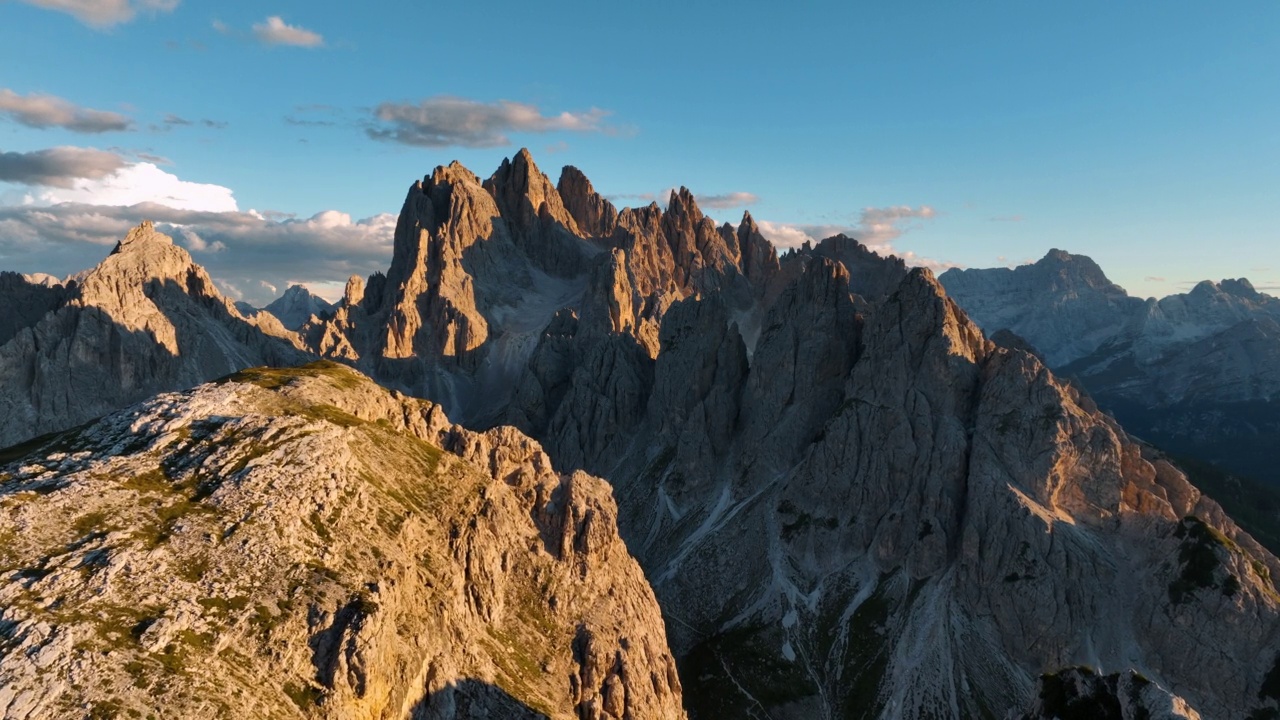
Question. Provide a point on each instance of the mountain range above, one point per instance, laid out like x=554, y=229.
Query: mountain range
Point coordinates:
x=1197, y=373
x=845, y=500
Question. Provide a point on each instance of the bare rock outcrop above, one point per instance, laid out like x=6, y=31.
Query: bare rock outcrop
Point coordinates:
x=960, y=523
x=25, y=302
x=292, y=543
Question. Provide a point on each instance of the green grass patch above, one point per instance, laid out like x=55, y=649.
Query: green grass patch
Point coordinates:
x=89, y=523
x=340, y=376
x=305, y=695
x=1199, y=561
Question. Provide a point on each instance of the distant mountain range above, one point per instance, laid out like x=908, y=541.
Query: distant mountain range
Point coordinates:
x=847, y=500
x=1197, y=373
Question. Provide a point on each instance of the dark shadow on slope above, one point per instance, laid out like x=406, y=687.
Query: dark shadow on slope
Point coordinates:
x=1254, y=505
x=78, y=363
x=472, y=699
x=25, y=303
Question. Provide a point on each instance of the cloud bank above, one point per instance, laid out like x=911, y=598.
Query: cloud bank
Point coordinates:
x=59, y=167
x=247, y=252
x=48, y=111
x=84, y=201
x=447, y=121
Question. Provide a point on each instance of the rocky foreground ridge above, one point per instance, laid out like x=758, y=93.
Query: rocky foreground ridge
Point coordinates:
x=294, y=543
x=849, y=502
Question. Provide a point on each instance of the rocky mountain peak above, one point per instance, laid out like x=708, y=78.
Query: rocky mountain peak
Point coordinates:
x=682, y=204
x=144, y=256
x=760, y=264
x=1073, y=269
x=145, y=320
x=871, y=275
x=297, y=306
x=522, y=191
x=141, y=236
x=1240, y=287
x=595, y=216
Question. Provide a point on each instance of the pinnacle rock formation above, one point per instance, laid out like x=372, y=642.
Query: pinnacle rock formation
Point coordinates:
x=480, y=270
x=147, y=319
x=595, y=216
x=294, y=543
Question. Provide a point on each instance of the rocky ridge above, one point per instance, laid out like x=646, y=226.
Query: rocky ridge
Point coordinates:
x=292, y=543
x=146, y=320
x=836, y=485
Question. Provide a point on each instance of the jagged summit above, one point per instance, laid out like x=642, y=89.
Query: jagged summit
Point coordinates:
x=144, y=234
x=595, y=215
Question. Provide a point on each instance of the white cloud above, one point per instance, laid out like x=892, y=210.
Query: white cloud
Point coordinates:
x=104, y=13
x=783, y=235
x=143, y=183
x=877, y=228
x=275, y=31
x=193, y=242
x=446, y=121
x=881, y=226
x=46, y=111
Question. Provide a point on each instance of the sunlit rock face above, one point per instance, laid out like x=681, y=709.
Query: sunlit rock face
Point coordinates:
x=147, y=319
x=848, y=501
x=303, y=543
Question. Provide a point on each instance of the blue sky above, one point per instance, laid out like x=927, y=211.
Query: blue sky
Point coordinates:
x=1146, y=135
